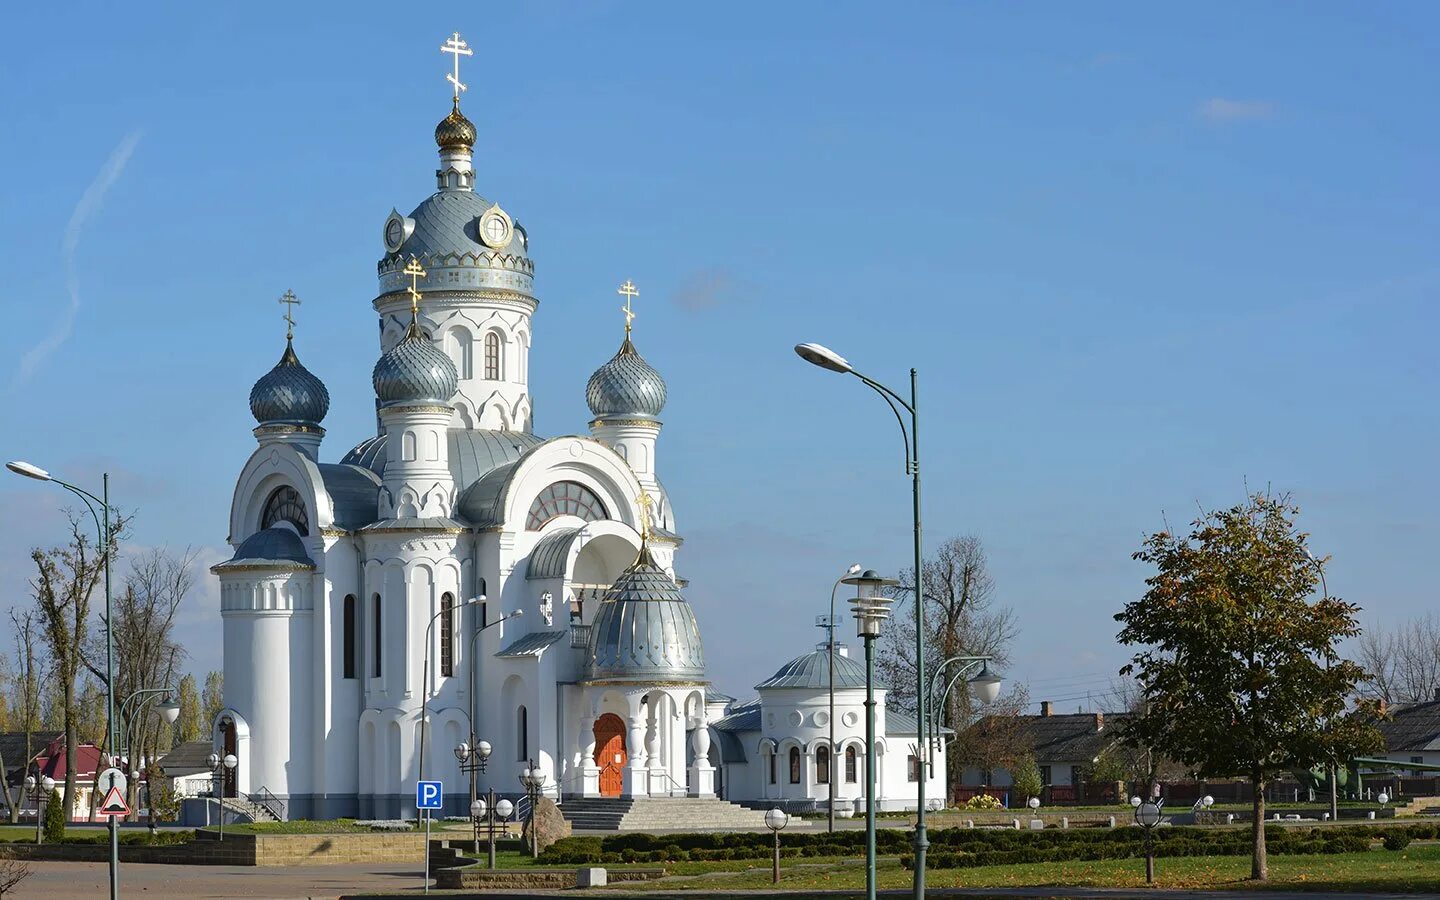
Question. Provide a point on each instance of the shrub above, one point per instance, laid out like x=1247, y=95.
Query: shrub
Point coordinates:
x=1026, y=780
x=54, y=818
x=983, y=801
x=1396, y=840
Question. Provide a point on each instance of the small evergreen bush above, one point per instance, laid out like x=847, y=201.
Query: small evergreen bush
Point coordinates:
x=54, y=818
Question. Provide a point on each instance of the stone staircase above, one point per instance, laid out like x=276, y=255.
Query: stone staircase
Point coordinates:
x=658, y=814
x=240, y=807
x=1419, y=806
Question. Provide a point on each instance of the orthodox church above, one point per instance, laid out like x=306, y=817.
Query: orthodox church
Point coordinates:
x=455, y=567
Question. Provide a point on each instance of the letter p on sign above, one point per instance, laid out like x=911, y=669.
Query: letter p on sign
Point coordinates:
x=428, y=794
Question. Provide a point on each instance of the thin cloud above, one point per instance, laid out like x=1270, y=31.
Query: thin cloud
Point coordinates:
x=90, y=204
x=705, y=289
x=1220, y=109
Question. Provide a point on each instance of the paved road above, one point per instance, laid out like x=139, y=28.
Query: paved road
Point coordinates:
x=91, y=880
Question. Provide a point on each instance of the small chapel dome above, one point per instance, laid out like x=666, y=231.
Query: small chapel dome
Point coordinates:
x=289, y=394
x=413, y=371
x=626, y=386
x=644, y=630
x=455, y=130
x=812, y=670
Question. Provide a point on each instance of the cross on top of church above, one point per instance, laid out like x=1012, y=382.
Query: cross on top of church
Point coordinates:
x=645, y=501
x=458, y=48
x=291, y=301
x=628, y=291
x=412, y=268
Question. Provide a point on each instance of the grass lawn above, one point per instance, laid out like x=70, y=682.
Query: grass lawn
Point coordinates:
x=1416, y=869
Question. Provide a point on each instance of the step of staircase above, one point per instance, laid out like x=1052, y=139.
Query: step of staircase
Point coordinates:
x=658, y=813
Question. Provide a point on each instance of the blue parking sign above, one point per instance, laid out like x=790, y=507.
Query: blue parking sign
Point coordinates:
x=428, y=794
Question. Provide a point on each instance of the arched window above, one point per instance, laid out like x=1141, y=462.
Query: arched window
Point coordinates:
x=822, y=765
x=522, y=734
x=464, y=350
x=770, y=755
x=794, y=765
x=350, y=627
x=850, y=763
x=376, y=637
x=447, y=635
x=285, y=505
x=564, y=498
x=492, y=356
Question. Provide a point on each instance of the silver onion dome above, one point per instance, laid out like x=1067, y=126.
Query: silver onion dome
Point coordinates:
x=289, y=394
x=414, y=371
x=644, y=630
x=626, y=386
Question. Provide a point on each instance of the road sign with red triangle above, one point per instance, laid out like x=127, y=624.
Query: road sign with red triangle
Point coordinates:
x=114, y=804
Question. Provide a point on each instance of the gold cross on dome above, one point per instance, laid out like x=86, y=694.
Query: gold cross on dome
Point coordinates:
x=412, y=268
x=646, y=501
x=628, y=291
x=458, y=48
x=291, y=301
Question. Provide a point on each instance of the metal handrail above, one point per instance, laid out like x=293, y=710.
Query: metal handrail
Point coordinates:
x=269, y=802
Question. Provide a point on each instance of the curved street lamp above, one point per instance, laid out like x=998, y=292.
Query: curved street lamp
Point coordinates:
x=20, y=467
x=825, y=358
x=829, y=625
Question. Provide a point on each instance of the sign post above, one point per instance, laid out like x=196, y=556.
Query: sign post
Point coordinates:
x=428, y=795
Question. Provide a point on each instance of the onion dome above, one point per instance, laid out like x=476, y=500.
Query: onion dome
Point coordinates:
x=289, y=394
x=644, y=630
x=455, y=130
x=415, y=371
x=626, y=386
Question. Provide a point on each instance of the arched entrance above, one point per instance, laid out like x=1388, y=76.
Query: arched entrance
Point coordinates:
x=229, y=782
x=610, y=754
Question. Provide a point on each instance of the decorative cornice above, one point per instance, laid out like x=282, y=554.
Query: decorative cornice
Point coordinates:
x=634, y=423
x=405, y=406
x=639, y=682
x=287, y=428
x=279, y=568
x=490, y=259
x=456, y=299
x=381, y=529
x=335, y=532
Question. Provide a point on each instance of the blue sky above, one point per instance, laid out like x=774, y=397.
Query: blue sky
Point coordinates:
x=1142, y=256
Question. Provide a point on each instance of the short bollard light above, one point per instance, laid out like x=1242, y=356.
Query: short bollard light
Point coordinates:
x=1033, y=803
x=775, y=820
x=1148, y=815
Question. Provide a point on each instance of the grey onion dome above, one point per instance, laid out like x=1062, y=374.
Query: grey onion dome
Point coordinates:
x=626, y=386
x=644, y=630
x=414, y=370
x=289, y=394
x=455, y=130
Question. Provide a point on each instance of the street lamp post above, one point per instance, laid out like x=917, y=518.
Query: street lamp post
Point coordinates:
x=829, y=626
x=532, y=779
x=475, y=744
x=775, y=820
x=985, y=686
x=169, y=710
x=218, y=768
x=826, y=358
x=1148, y=815
x=871, y=608
x=39, y=474
x=488, y=808
x=39, y=790
x=1334, y=772
x=473, y=758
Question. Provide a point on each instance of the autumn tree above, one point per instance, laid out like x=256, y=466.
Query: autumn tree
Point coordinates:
x=24, y=696
x=1238, y=665
x=996, y=739
x=961, y=619
x=187, y=726
x=212, y=699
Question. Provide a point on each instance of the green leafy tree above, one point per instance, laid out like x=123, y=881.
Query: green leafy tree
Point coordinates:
x=1025, y=778
x=213, y=698
x=1239, y=671
x=54, y=818
x=187, y=726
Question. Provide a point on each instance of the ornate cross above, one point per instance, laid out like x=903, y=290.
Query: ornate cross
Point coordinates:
x=458, y=48
x=628, y=291
x=645, y=501
x=291, y=301
x=412, y=268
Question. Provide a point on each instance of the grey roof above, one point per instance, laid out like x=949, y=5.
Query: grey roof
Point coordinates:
x=355, y=491
x=289, y=393
x=1413, y=727
x=644, y=630
x=410, y=523
x=279, y=547
x=532, y=644
x=548, y=558
x=473, y=452
x=481, y=502
x=732, y=750
x=744, y=719
x=714, y=696
x=812, y=670
x=188, y=758
x=445, y=228
x=1064, y=738
x=626, y=386
x=12, y=745
x=414, y=371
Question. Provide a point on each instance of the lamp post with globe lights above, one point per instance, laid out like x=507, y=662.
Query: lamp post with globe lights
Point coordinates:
x=825, y=358
x=776, y=819
x=871, y=608
x=1148, y=815
x=39, y=792
x=474, y=685
x=488, y=808
x=975, y=670
x=220, y=766
x=104, y=527
x=532, y=779
x=473, y=758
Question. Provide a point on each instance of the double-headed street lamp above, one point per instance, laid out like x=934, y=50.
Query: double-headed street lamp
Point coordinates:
x=532, y=779
x=871, y=607
x=104, y=530
x=488, y=808
x=220, y=767
x=39, y=789
x=473, y=759
x=826, y=358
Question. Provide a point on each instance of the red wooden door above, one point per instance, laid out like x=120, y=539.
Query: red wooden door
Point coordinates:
x=610, y=754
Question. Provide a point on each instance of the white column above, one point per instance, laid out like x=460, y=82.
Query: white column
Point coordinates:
x=637, y=780
x=702, y=773
x=589, y=772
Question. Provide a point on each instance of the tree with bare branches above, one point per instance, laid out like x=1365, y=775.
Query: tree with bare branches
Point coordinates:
x=25, y=696
x=1403, y=663
x=12, y=872
x=961, y=619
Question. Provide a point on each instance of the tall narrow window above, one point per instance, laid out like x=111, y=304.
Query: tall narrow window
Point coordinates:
x=447, y=635
x=794, y=765
x=522, y=734
x=822, y=765
x=850, y=764
x=492, y=356
x=348, y=632
x=376, y=637
x=771, y=757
